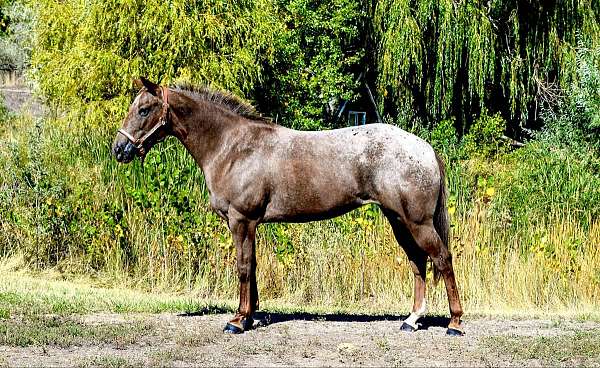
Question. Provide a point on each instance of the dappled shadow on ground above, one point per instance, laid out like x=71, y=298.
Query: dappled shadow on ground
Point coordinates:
x=268, y=318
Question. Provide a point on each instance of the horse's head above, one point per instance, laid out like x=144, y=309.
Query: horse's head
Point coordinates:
x=145, y=123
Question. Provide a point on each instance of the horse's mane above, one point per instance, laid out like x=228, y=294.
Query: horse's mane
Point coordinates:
x=225, y=99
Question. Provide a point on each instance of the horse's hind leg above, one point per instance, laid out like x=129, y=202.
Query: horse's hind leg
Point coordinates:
x=429, y=240
x=418, y=262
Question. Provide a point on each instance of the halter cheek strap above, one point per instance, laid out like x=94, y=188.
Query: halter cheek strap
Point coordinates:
x=162, y=121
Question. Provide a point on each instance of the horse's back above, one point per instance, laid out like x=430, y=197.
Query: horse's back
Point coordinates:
x=341, y=169
x=384, y=148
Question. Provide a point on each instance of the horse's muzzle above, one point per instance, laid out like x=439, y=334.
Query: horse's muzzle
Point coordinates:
x=124, y=151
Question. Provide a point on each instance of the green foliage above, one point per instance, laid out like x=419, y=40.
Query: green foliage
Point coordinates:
x=299, y=59
x=438, y=59
x=55, y=216
x=4, y=17
x=316, y=62
x=16, y=36
x=66, y=203
x=90, y=51
x=485, y=136
x=574, y=120
x=444, y=140
x=542, y=181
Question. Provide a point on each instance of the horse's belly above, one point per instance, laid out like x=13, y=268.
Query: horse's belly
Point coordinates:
x=276, y=213
x=316, y=197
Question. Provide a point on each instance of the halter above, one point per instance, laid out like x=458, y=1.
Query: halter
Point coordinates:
x=162, y=121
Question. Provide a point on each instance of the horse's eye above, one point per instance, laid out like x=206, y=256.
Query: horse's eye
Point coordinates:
x=144, y=112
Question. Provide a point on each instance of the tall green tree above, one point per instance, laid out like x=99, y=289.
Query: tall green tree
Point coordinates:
x=88, y=52
x=427, y=60
x=442, y=58
x=318, y=59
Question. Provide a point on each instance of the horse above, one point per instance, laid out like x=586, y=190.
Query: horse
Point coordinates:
x=259, y=172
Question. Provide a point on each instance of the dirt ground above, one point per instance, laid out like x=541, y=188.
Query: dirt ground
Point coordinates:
x=18, y=97
x=317, y=340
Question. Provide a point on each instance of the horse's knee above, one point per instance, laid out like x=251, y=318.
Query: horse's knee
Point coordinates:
x=244, y=272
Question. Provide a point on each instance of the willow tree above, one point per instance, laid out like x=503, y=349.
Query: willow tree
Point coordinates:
x=442, y=58
x=429, y=59
x=88, y=51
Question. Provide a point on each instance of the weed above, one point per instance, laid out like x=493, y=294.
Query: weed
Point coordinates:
x=63, y=332
x=108, y=362
x=555, y=350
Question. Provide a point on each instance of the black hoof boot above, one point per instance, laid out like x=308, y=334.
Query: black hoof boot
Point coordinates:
x=406, y=327
x=454, y=332
x=232, y=329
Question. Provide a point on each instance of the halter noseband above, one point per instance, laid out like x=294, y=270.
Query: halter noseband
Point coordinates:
x=162, y=121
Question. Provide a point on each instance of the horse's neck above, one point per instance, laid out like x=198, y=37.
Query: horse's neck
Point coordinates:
x=209, y=132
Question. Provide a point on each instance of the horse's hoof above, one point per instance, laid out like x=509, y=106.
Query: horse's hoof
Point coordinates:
x=248, y=324
x=454, y=332
x=232, y=329
x=406, y=327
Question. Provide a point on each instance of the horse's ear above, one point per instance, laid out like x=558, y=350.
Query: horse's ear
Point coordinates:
x=151, y=87
x=138, y=83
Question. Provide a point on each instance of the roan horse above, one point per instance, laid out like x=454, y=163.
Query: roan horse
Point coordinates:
x=258, y=172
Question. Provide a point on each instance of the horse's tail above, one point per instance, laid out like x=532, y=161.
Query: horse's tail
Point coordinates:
x=440, y=216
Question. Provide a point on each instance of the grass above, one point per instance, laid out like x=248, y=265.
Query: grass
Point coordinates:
x=108, y=362
x=48, y=311
x=580, y=348
x=41, y=294
x=48, y=330
x=68, y=207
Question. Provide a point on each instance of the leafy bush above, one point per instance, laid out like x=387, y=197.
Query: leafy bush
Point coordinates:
x=485, y=136
x=444, y=140
x=575, y=120
x=16, y=36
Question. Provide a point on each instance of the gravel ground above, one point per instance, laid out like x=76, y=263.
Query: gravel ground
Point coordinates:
x=305, y=340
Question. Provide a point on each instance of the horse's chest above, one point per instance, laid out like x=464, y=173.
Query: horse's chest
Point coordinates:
x=247, y=202
x=219, y=204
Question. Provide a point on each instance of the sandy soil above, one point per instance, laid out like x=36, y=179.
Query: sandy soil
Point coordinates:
x=18, y=98
x=304, y=340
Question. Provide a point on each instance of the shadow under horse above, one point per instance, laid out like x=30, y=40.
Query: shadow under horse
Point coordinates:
x=259, y=172
x=264, y=319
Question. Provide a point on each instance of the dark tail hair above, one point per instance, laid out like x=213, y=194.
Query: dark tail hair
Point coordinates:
x=440, y=216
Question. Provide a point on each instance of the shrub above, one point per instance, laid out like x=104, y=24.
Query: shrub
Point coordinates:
x=16, y=35
x=484, y=138
x=444, y=140
x=574, y=121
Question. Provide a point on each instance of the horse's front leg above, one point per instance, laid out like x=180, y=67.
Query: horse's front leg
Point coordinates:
x=243, y=231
